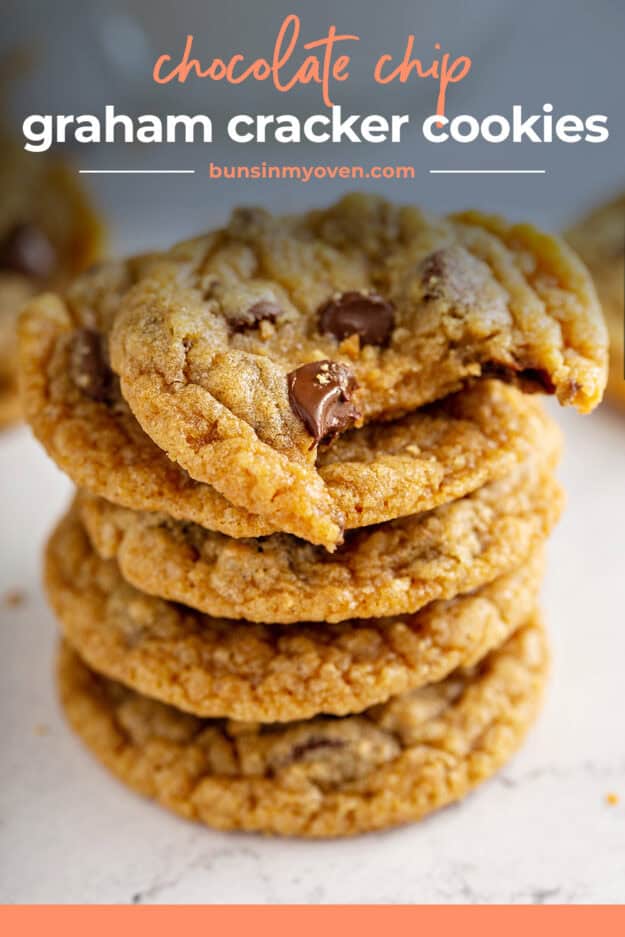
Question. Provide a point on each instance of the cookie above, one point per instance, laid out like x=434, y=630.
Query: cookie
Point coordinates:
x=48, y=233
x=269, y=673
x=382, y=471
x=243, y=350
x=392, y=569
x=393, y=764
x=600, y=240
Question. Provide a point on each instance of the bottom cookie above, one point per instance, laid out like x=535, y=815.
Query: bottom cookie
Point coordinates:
x=327, y=776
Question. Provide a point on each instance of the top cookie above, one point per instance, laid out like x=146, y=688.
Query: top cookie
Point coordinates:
x=243, y=350
x=383, y=471
x=600, y=239
x=48, y=233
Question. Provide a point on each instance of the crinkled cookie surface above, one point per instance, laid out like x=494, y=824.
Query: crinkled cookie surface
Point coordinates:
x=391, y=569
x=241, y=351
x=269, y=673
x=392, y=764
x=382, y=471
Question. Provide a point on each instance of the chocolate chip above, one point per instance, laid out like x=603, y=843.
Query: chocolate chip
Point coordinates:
x=89, y=369
x=313, y=745
x=365, y=314
x=528, y=379
x=537, y=378
x=321, y=393
x=27, y=250
x=434, y=271
x=449, y=274
x=501, y=372
x=263, y=311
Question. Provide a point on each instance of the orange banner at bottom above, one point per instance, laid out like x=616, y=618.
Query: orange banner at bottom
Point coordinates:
x=312, y=920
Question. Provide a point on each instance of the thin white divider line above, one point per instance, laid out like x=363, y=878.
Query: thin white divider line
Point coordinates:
x=146, y=172
x=487, y=171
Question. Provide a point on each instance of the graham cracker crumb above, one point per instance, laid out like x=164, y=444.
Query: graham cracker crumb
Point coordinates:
x=612, y=799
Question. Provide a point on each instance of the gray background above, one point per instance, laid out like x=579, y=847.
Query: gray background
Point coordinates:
x=567, y=52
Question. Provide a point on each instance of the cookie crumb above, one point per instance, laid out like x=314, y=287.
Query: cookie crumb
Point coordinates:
x=612, y=799
x=41, y=729
x=14, y=598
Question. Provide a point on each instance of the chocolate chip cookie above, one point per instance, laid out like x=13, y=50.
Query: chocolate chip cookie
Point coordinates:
x=600, y=240
x=392, y=764
x=48, y=232
x=242, y=351
x=391, y=569
x=382, y=471
x=269, y=673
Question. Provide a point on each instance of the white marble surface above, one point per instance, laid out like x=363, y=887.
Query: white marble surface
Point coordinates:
x=541, y=831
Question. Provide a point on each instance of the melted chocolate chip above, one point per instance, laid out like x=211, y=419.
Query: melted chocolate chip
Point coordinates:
x=320, y=393
x=27, y=250
x=365, y=314
x=89, y=369
x=263, y=311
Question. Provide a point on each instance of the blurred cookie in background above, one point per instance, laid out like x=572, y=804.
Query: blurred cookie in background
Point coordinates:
x=49, y=232
x=599, y=238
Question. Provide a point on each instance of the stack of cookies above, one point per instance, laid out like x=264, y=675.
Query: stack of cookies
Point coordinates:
x=298, y=584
